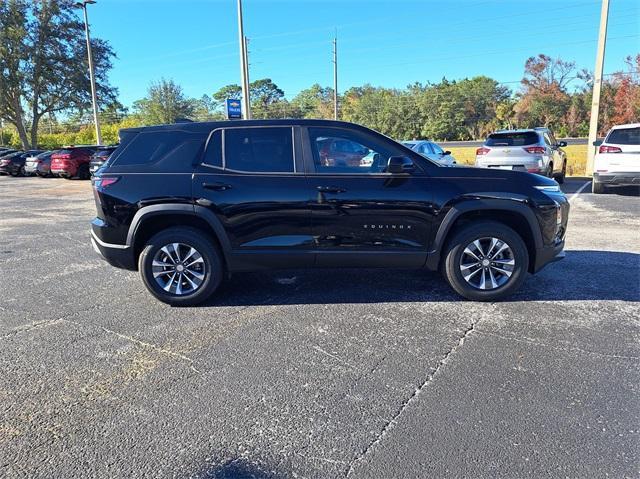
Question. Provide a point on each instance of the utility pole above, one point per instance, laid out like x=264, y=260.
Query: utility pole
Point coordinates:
x=246, y=66
x=597, y=86
x=335, y=76
x=94, y=98
x=246, y=107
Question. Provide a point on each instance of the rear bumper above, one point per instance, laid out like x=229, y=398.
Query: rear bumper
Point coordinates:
x=68, y=172
x=530, y=165
x=618, y=179
x=120, y=256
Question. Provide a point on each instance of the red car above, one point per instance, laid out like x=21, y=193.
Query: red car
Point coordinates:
x=72, y=161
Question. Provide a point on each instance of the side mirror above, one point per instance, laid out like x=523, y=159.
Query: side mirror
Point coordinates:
x=400, y=164
x=447, y=152
x=562, y=144
x=597, y=143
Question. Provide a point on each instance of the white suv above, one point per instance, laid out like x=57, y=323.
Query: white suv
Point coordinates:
x=534, y=150
x=617, y=162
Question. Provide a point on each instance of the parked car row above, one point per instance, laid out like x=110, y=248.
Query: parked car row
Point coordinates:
x=69, y=162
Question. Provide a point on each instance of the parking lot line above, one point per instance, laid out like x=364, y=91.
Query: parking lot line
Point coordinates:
x=573, y=196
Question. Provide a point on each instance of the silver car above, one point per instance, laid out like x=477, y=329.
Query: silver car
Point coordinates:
x=39, y=164
x=534, y=150
x=432, y=151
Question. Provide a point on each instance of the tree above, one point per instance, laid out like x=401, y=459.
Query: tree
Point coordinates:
x=165, y=103
x=544, y=99
x=314, y=102
x=267, y=100
x=43, y=64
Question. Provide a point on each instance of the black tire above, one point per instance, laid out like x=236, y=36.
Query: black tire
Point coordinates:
x=83, y=172
x=213, y=264
x=560, y=178
x=464, y=237
x=597, y=188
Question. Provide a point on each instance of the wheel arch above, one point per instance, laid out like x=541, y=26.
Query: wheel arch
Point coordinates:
x=515, y=214
x=152, y=219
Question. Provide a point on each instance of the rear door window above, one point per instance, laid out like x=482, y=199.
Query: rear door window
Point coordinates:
x=260, y=150
x=624, y=136
x=512, y=139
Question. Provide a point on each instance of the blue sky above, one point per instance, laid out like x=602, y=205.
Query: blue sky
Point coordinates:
x=385, y=43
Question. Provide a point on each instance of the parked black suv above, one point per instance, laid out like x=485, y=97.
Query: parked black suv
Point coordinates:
x=186, y=204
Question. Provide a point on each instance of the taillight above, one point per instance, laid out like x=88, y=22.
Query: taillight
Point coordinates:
x=104, y=182
x=535, y=150
x=609, y=149
x=482, y=151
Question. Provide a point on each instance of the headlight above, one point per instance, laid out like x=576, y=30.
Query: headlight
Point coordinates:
x=548, y=188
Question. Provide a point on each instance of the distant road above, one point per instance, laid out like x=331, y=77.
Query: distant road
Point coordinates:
x=457, y=144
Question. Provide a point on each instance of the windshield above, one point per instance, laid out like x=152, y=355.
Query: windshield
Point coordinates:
x=512, y=139
x=624, y=136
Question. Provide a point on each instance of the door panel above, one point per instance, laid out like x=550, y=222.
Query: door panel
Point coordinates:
x=266, y=216
x=371, y=221
x=362, y=215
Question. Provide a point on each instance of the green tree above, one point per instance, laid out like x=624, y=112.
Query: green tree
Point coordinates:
x=165, y=103
x=267, y=99
x=314, y=102
x=43, y=64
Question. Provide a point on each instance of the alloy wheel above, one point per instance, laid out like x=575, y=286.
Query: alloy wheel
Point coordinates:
x=487, y=263
x=178, y=268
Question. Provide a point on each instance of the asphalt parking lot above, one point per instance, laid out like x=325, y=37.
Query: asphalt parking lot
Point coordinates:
x=314, y=374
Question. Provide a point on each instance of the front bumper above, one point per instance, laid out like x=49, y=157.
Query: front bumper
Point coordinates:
x=549, y=254
x=618, y=179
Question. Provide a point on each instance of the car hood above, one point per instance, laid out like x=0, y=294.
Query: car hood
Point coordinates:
x=520, y=178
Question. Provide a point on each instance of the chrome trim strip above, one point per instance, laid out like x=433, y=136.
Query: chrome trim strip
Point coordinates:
x=107, y=245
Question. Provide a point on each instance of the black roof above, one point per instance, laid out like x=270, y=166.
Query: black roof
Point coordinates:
x=212, y=125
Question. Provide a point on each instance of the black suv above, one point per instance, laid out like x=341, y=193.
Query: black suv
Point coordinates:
x=186, y=204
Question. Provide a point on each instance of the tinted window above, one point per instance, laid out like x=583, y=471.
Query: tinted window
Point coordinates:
x=512, y=139
x=343, y=151
x=176, y=148
x=259, y=149
x=213, y=154
x=624, y=136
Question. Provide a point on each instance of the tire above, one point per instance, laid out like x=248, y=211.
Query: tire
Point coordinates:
x=597, y=188
x=83, y=172
x=211, y=264
x=560, y=178
x=484, y=231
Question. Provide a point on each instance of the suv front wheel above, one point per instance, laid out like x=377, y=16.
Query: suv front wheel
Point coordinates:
x=181, y=266
x=485, y=261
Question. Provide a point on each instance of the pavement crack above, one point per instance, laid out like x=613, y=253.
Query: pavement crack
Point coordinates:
x=559, y=348
x=154, y=347
x=337, y=358
x=34, y=325
x=391, y=423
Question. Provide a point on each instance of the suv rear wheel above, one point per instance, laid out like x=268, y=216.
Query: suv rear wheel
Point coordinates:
x=485, y=261
x=181, y=266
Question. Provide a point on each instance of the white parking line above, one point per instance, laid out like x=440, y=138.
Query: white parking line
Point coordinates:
x=579, y=191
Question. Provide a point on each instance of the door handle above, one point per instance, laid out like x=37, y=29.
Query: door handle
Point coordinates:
x=216, y=186
x=330, y=189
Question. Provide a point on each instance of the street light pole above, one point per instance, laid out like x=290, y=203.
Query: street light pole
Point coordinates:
x=597, y=86
x=94, y=98
x=246, y=107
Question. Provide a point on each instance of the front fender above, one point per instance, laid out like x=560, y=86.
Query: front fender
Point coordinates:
x=512, y=203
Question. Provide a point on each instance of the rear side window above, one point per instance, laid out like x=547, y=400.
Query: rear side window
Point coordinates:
x=624, y=136
x=512, y=139
x=168, y=150
x=263, y=150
